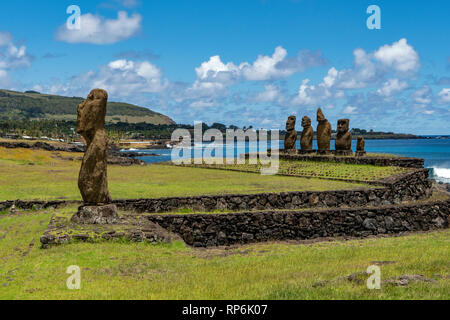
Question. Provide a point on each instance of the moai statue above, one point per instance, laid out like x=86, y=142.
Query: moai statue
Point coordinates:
x=290, y=141
x=343, y=138
x=323, y=133
x=93, y=179
x=306, y=141
x=360, y=147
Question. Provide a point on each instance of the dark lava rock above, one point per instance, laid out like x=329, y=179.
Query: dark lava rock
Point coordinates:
x=96, y=215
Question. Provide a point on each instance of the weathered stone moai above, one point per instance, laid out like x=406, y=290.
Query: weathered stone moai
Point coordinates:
x=343, y=138
x=360, y=147
x=306, y=140
x=290, y=141
x=93, y=178
x=323, y=133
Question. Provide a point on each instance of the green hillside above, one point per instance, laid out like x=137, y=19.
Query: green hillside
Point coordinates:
x=33, y=105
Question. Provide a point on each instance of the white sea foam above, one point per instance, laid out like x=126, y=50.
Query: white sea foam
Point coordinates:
x=441, y=174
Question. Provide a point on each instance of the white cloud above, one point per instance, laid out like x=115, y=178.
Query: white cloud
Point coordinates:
x=422, y=96
x=370, y=70
x=392, y=86
x=400, y=56
x=309, y=95
x=350, y=110
x=279, y=66
x=215, y=70
x=215, y=76
x=264, y=68
x=270, y=94
x=98, y=30
x=121, y=78
x=12, y=57
x=444, y=96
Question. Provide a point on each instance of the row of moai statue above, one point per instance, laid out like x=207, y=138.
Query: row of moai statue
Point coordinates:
x=343, y=143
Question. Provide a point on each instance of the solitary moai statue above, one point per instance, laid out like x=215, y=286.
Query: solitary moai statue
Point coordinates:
x=343, y=138
x=323, y=133
x=290, y=141
x=306, y=141
x=360, y=147
x=93, y=178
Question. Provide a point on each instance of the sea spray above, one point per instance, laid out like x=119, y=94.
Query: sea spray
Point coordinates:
x=441, y=174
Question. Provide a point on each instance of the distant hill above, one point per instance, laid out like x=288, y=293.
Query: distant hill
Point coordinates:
x=33, y=105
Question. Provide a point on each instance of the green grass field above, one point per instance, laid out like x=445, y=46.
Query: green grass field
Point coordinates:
x=121, y=270
x=326, y=170
x=126, y=270
x=51, y=178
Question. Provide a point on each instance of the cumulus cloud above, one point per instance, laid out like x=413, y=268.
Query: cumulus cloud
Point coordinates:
x=12, y=57
x=279, y=66
x=400, y=56
x=444, y=96
x=98, y=30
x=215, y=76
x=310, y=95
x=392, y=86
x=215, y=70
x=263, y=68
x=121, y=78
x=422, y=96
x=271, y=93
x=350, y=110
x=370, y=70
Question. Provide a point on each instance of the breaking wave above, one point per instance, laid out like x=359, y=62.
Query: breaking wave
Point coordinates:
x=441, y=174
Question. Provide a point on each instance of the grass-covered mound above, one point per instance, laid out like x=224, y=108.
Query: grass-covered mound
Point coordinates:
x=33, y=105
x=35, y=174
x=299, y=270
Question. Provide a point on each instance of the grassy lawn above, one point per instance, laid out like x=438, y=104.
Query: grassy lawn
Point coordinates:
x=36, y=174
x=121, y=270
x=330, y=170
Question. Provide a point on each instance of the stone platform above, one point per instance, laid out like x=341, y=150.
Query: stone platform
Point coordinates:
x=384, y=161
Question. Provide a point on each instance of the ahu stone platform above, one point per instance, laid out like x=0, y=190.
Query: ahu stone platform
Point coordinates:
x=384, y=161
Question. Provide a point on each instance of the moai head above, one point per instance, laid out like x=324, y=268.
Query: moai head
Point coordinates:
x=290, y=123
x=306, y=122
x=320, y=116
x=343, y=126
x=91, y=113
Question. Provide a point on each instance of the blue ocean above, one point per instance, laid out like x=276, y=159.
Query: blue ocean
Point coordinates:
x=436, y=152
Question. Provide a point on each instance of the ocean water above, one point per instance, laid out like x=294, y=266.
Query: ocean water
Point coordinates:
x=436, y=152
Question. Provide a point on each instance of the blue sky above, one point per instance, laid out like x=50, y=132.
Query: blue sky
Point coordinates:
x=240, y=62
